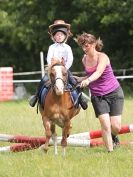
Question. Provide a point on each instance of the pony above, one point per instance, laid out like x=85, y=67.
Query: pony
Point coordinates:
x=58, y=108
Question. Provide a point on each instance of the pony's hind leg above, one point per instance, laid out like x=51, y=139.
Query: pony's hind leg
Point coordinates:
x=54, y=138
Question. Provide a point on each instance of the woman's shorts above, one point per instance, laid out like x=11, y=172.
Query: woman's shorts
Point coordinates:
x=111, y=103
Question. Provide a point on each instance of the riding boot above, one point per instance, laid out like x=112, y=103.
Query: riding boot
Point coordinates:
x=80, y=99
x=33, y=100
x=82, y=102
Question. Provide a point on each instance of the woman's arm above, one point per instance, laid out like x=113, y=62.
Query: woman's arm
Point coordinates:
x=102, y=63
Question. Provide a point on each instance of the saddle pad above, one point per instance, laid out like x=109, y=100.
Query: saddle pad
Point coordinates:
x=42, y=95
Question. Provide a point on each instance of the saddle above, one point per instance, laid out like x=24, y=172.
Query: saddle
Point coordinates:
x=73, y=92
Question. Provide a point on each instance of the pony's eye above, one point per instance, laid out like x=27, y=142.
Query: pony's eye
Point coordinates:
x=64, y=73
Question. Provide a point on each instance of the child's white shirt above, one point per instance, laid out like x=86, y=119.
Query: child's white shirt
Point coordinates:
x=60, y=50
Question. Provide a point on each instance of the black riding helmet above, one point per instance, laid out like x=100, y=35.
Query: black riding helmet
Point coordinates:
x=60, y=25
x=59, y=28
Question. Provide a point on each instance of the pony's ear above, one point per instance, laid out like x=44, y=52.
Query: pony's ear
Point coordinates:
x=54, y=61
x=62, y=61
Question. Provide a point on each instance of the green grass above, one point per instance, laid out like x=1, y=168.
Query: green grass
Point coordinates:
x=19, y=118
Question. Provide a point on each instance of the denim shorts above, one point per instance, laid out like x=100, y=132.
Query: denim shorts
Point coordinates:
x=111, y=103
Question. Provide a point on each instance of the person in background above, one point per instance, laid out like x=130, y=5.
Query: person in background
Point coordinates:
x=60, y=32
x=106, y=93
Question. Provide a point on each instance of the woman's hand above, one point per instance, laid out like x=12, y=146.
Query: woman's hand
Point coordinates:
x=85, y=83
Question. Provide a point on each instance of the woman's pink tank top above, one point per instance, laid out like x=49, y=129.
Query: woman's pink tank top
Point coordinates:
x=105, y=84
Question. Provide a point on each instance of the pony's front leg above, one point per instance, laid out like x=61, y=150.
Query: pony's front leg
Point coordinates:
x=54, y=138
x=48, y=134
x=65, y=134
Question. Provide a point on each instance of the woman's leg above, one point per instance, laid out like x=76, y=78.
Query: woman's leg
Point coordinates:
x=106, y=131
x=115, y=124
x=116, y=108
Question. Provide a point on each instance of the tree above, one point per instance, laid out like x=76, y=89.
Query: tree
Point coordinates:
x=24, y=29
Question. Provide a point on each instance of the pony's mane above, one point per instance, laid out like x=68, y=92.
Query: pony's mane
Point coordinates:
x=55, y=61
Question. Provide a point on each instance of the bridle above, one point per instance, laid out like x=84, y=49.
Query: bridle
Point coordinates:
x=54, y=81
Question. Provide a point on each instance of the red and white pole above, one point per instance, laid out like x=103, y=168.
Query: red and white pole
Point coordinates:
x=80, y=139
x=98, y=133
x=41, y=140
x=71, y=142
x=35, y=141
x=17, y=147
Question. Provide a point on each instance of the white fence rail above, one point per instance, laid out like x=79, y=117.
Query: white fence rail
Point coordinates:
x=39, y=72
x=123, y=72
x=30, y=81
x=74, y=73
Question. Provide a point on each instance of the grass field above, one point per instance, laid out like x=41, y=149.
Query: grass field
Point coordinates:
x=19, y=118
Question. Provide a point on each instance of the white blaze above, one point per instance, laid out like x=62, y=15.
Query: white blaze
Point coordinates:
x=59, y=85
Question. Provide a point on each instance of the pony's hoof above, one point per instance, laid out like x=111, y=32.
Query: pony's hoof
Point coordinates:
x=43, y=149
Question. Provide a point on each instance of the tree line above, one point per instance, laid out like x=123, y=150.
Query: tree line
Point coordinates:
x=24, y=30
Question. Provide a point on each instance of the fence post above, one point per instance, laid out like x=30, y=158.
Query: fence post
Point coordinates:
x=42, y=63
x=6, y=83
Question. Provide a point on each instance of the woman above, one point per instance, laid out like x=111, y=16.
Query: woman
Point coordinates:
x=106, y=93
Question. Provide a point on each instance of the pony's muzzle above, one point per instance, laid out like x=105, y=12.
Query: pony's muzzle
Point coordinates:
x=59, y=86
x=59, y=91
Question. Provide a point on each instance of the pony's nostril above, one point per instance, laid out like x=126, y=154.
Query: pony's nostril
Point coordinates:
x=59, y=91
